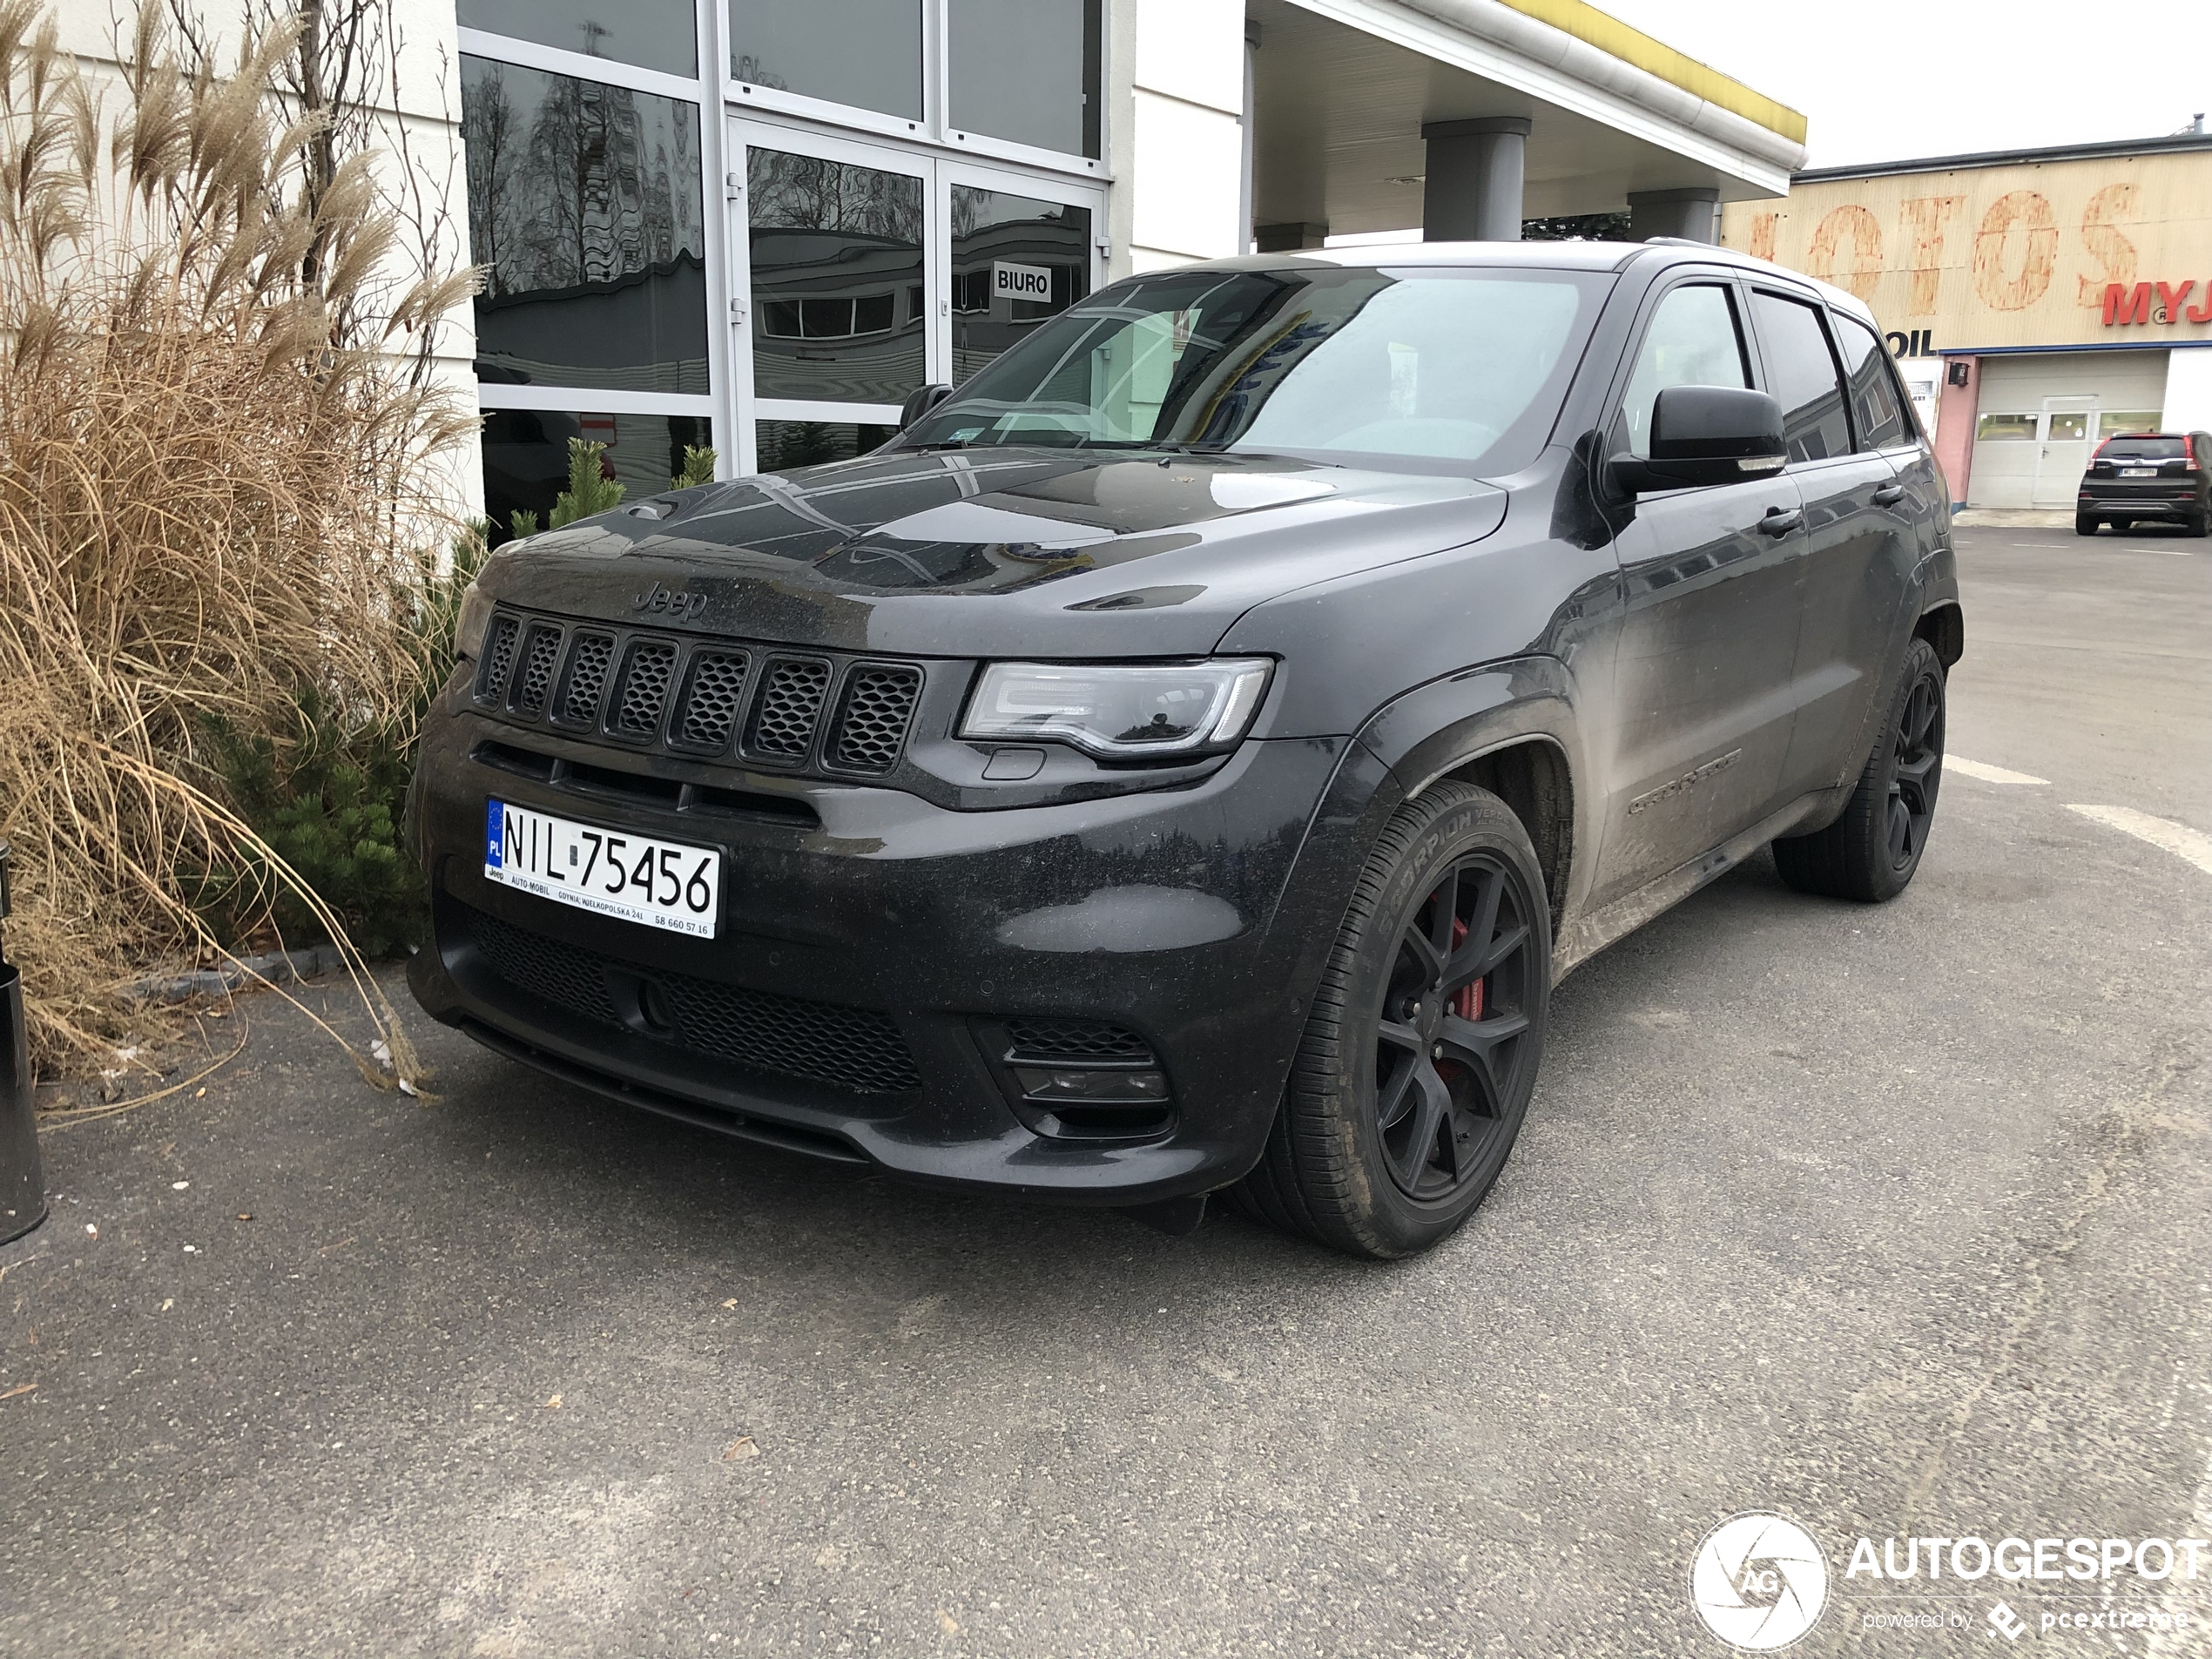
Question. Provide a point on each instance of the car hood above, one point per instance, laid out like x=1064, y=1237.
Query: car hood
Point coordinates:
x=1039, y=552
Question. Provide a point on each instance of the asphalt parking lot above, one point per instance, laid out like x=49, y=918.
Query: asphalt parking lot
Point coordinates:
x=1891, y=1220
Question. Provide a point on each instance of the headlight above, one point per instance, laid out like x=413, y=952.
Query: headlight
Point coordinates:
x=476, y=617
x=1119, y=711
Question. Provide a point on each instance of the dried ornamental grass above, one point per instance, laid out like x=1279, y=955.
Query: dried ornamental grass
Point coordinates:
x=210, y=501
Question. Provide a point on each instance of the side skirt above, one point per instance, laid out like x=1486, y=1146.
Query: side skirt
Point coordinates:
x=1586, y=935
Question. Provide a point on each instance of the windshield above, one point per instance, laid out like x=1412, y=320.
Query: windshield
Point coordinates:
x=2143, y=449
x=1457, y=366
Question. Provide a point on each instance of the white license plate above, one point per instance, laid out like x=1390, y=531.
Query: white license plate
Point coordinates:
x=2139, y=472
x=635, y=878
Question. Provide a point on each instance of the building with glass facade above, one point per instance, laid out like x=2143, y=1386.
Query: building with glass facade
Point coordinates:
x=761, y=223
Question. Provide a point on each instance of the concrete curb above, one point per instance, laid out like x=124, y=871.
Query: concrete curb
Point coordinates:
x=277, y=968
x=2017, y=518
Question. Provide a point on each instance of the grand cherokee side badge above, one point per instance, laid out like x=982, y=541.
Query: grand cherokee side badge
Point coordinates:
x=1688, y=781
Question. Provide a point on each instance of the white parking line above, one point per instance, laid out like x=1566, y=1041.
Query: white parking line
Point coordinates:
x=2109, y=547
x=2177, y=838
x=1988, y=775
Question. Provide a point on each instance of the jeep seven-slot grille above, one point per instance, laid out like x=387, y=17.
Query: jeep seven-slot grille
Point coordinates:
x=588, y=658
x=499, y=656
x=878, y=704
x=535, y=679
x=713, y=699
x=851, y=1048
x=791, y=702
x=787, y=710
x=644, y=689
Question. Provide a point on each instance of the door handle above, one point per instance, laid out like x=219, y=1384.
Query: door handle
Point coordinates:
x=1781, y=521
x=1889, y=495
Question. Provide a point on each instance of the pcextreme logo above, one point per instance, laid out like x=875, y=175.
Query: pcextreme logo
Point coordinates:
x=1759, y=1582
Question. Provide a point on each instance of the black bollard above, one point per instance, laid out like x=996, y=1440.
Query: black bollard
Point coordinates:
x=22, y=1182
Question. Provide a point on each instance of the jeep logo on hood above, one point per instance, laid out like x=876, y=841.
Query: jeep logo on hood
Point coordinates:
x=657, y=600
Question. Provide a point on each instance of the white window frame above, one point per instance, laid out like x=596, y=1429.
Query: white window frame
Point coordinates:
x=929, y=148
x=939, y=172
x=746, y=129
x=698, y=92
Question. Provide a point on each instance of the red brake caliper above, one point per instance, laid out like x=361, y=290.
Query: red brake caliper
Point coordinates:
x=1466, y=1002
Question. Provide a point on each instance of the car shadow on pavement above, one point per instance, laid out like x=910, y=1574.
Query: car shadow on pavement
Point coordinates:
x=611, y=1173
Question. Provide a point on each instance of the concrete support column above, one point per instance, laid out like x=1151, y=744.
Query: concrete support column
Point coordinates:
x=1473, y=189
x=1694, y=214
x=1288, y=239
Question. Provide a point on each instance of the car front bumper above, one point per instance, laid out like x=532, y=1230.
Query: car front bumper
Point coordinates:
x=856, y=1000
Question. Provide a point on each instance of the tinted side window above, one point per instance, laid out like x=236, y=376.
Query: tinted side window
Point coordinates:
x=1801, y=373
x=1873, y=402
x=1692, y=340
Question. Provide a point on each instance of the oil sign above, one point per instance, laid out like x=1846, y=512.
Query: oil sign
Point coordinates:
x=2050, y=254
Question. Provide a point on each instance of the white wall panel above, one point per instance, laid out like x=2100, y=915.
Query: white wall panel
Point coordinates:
x=2189, y=390
x=1188, y=183
x=1193, y=49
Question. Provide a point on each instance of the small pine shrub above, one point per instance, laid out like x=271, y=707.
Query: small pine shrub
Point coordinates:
x=329, y=803
x=699, y=468
x=591, y=489
x=330, y=798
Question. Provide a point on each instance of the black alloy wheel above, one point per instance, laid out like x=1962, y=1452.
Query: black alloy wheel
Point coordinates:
x=1421, y=1050
x=1871, y=852
x=1449, y=1038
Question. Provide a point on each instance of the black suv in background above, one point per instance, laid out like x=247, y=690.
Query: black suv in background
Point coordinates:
x=1186, y=757
x=2148, y=477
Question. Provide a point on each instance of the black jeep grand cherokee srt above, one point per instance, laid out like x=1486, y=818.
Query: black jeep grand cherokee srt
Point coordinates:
x=1186, y=757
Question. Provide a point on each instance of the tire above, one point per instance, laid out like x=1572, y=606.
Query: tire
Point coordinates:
x=2085, y=523
x=1871, y=852
x=2200, y=523
x=1415, y=1032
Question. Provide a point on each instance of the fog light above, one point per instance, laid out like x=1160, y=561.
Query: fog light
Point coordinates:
x=1095, y=1086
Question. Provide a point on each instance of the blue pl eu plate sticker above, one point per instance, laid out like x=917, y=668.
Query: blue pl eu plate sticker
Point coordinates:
x=494, y=824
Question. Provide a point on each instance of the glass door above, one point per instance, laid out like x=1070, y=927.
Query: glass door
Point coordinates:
x=862, y=271
x=834, y=295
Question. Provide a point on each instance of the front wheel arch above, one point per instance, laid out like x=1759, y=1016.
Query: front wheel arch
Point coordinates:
x=1944, y=626
x=1533, y=777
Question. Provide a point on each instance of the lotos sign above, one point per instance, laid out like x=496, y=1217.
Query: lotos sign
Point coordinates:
x=2053, y=252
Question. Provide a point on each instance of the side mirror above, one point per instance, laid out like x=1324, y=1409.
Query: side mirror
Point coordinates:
x=920, y=402
x=1706, y=435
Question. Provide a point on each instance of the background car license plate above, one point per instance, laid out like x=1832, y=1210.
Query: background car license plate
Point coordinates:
x=636, y=878
x=2139, y=472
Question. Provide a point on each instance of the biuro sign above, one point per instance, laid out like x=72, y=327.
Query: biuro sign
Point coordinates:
x=2027, y=254
x=2126, y=304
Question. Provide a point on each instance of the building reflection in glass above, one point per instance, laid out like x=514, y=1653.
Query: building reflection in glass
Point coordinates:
x=584, y=202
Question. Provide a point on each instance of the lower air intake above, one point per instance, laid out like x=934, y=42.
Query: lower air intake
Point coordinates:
x=1056, y=1041
x=851, y=1048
